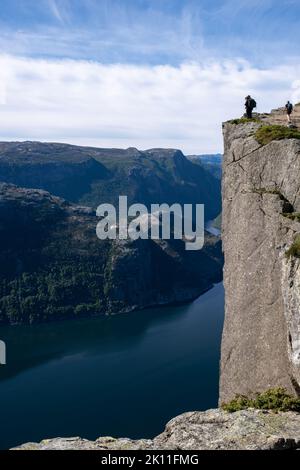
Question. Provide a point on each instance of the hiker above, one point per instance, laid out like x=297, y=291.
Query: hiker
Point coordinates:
x=250, y=104
x=289, y=109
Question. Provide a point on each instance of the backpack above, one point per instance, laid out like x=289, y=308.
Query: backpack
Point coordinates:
x=289, y=107
x=253, y=103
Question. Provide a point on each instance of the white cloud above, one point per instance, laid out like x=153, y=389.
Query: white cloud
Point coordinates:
x=296, y=91
x=55, y=10
x=127, y=105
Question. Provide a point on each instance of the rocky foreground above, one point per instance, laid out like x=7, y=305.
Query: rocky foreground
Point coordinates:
x=209, y=430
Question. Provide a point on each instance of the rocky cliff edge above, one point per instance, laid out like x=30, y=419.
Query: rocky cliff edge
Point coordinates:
x=261, y=227
x=209, y=430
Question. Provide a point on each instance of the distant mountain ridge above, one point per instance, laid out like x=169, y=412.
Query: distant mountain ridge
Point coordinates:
x=213, y=158
x=211, y=162
x=91, y=176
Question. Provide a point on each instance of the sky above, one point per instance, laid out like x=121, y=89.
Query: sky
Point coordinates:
x=142, y=73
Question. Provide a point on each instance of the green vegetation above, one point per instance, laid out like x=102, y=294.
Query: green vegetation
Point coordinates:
x=243, y=120
x=266, y=134
x=294, y=250
x=59, y=292
x=51, y=262
x=292, y=215
x=275, y=191
x=276, y=399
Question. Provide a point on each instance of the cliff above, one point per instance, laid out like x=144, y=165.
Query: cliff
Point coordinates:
x=261, y=227
x=209, y=430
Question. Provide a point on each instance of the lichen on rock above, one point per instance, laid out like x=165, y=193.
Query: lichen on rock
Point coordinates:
x=209, y=430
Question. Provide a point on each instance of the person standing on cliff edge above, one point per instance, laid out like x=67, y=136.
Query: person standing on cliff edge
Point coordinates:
x=289, y=109
x=250, y=104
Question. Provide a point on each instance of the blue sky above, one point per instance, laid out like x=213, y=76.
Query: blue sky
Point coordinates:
x=152, y=31
x=142, y=72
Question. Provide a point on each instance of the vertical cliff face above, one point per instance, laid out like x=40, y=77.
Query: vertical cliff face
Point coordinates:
x=261, y=221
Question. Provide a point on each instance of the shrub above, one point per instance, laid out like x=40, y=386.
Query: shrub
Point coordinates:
x=243, y=120
x=292, y=215
x=240, y=402
x=276, y=399
x=274, y=191
x=265, y=134
x=294, y=250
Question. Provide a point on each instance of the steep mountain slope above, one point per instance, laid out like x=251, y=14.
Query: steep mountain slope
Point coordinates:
x=92, y=176
x=211, y=163
x=53, y=266
x=261, y=230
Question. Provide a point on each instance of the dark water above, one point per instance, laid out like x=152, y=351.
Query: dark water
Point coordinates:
x=122, y=376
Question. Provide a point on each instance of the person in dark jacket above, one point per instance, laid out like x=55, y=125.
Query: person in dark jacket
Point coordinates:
x=250, y=104
x=289, y=109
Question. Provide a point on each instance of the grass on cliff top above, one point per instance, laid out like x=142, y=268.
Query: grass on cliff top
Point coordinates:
x=266, y=134
x=243, y=120
x=294, y=250
x=276, y=399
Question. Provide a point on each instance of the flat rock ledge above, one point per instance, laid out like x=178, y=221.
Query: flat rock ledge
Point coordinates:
x=209, y=430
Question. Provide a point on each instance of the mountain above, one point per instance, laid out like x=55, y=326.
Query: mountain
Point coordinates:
x=91, y=176
x=261, y=239
x=211, y=163
x=52, y=265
